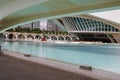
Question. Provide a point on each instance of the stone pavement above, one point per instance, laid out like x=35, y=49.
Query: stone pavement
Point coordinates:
x=12, y=68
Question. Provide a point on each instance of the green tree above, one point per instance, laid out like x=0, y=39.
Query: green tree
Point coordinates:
x=10, y=30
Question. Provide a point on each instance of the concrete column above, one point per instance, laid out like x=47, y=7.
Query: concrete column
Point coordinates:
x=16, y=37
x=6, y=37
x=34, y=37
x=117, y=37
x=25, y=37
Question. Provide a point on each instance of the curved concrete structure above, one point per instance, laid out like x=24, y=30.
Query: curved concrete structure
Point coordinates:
x=89, y=23
x=114, y=24
x=91, y=28
x=32, y=36
x=14, y=12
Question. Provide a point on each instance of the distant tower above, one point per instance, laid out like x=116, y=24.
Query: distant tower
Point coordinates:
x=43, y=24
x=32, y=25
x=35, y=25
x=51, y=25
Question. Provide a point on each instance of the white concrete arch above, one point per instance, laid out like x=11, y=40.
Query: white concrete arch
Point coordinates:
x=68, y=38
x=8, y=7
x=15, y=12
x=47, y=36
x=61, y=38
x=21, y=36
x=30, y=37
x=2, y=36
x=38, y=37
x=11, y=36
x=74, y=38
x=54, y=37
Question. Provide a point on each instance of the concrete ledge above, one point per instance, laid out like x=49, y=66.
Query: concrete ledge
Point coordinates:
x=95, y=73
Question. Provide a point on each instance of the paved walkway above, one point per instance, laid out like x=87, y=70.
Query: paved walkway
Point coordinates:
x=17, y=69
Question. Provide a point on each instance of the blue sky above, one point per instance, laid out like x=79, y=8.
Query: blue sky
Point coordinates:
x=113, y=15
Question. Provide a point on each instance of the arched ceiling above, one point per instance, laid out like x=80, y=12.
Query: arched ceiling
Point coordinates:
x=14, y=12
x=8, y=7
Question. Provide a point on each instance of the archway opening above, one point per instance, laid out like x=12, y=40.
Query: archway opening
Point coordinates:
x=30, y=37
x=47, y=37
x=68, y=38
x=53, y=38
x=74, y=38
x=38, y=37
x=60, y=38
x=11, y=36
x=20, y=36
x=2, y=36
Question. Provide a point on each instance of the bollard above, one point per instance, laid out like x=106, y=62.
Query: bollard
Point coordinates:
x=84, y=67
x=27, y=55
x=0, y=47
x=0, y=51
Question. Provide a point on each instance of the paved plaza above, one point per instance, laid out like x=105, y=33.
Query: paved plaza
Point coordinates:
x=17, y=69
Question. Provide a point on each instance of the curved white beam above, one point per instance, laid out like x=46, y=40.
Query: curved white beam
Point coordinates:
x=29, y=10
x=12, y=6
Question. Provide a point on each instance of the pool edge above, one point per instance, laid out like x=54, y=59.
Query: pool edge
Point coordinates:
x=95, y=73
